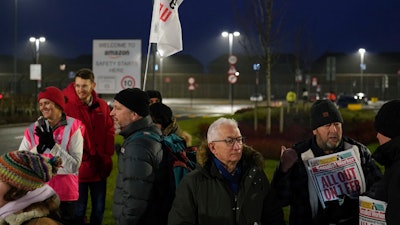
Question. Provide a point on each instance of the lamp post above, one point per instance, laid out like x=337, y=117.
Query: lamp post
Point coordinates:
x=14, y=83
x=256, y=68
x=362, y=68
x=37, y=42
x=230, y=36
x=160, y=53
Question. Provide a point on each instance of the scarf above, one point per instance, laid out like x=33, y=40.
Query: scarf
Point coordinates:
x=37, y=195
x=233, y=179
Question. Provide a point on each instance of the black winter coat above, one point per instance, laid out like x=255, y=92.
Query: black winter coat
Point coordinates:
x=388, y=189
x=140, y=193
x=203, y=197
x=292, y=187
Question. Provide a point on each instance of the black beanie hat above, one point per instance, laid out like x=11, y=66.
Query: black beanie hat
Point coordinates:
x=154, y=94
x=135, y=100
x=324, y=112
x=161, y=114
x=387, y=120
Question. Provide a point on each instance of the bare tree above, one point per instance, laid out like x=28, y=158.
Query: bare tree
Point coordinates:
x=261, y=29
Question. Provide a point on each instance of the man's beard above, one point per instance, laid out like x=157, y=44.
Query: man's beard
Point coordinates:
x=117, y=128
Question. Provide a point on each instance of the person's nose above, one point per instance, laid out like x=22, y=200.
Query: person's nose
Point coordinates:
x=332, y=128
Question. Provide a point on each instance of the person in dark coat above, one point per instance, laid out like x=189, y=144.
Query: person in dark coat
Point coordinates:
x=291, y=179
x=387, y=125
x=229, y=187
x=140, y=193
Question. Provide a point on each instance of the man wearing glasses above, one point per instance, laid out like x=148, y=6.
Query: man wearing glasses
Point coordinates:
x=229, y=186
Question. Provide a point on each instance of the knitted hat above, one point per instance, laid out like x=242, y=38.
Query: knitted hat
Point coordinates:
x=324, y=112
x=53, y=94
x=135, y=100
x=154, y=94
x=161, y=114
x=26, y=170
x=387, y=120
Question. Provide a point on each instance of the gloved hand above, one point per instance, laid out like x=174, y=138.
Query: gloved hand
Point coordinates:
x=46, y=139
x=288, y=158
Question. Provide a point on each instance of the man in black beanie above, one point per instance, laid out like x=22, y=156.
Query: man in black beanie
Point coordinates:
x=291, y=178
x=138, y=195
x=387, y=125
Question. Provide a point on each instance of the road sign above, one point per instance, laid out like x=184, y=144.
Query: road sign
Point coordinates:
x=232, y=78
x=128, y=82
x=36, y=71
x=191, y=80
x=232, y=70
x=191, y=87
x=314, y=81
x=232, y=59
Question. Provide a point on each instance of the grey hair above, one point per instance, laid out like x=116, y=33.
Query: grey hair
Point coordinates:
x=212, y=132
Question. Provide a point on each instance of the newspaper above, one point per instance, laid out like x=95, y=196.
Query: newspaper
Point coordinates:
x=372, y=212
x=336, y=175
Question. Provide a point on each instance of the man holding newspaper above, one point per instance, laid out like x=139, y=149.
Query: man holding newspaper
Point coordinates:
x=321, y=178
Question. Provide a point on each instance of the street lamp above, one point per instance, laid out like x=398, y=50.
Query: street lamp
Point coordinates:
x=14, y=83
x=230, y=40
x=37, y=41
x=362, y=67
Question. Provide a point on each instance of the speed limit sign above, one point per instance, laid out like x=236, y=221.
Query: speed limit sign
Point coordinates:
x=232, y=78
x=128, y=82
x=191, y=80
x=232, y=59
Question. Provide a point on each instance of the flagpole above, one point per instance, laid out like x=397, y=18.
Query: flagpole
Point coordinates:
x=147, y=66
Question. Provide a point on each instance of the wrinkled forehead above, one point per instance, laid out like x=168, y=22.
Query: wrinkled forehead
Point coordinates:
x=228, y=131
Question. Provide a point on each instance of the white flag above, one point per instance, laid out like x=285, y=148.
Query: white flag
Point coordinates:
x=165, y=27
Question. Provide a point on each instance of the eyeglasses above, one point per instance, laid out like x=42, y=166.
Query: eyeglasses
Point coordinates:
x=231, y=141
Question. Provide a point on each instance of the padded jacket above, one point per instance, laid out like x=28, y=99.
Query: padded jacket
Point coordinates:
x=140, y=191
x=387, y=189
x=68, y=136
x=99, y=136
x=203, y=197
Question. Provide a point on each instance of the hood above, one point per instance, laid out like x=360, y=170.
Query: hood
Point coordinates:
x=71, y=97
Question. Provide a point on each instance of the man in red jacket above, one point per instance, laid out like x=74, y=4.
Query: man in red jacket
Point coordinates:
x=83, y=103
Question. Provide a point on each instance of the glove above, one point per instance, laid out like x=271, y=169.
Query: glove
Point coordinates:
x=46, y=139
x=288, y=158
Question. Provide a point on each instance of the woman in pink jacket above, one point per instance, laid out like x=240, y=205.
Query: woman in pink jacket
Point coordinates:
x=55, y=134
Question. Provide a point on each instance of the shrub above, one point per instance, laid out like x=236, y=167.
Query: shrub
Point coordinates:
x=357, y=125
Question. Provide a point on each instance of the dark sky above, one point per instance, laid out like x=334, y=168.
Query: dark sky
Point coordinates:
x=70, y=25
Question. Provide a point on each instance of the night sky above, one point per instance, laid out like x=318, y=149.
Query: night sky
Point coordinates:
x=69, y=26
